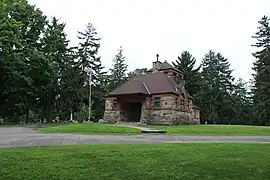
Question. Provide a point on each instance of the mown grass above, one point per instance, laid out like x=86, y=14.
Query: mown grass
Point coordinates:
x=9, y=124
x=185, y=161
x=90, y=129
x=216, y=130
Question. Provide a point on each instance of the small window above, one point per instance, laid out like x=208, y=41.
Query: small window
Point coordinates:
x=197, y=114
x=157, y=102
x=115, y=104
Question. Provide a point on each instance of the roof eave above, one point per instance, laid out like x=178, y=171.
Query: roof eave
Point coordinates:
x=157, y=93
x=125, y=94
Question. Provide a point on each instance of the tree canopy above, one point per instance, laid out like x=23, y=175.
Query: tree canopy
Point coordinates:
x=43, y=77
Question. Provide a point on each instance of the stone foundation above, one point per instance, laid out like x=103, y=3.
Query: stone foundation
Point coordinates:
x=168, y=117
x=112, y=116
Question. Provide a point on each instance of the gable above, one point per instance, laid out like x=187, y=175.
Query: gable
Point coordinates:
x=166, y=66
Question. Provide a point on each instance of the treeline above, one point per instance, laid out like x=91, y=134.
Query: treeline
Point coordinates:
x=42, y=77
x=224, y=99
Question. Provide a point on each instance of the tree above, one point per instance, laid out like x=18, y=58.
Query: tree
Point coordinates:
x=58, y=54
x=71, y=92
x=42, y=76
x=261, y=67
x=136, y=72
x=21, y=29
x=214, y=96
x=241, y=103
x=118, y=71
x=186, y=64
x=88, y=60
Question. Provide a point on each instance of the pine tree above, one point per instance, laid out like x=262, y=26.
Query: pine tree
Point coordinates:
x=118, y=71
x=186, y=64
x=261, y=91
x=136, y=72
x=241, y=103
x=217, y=85
x=88, y=53
x=71, y=92
x=88, y=60
x=57, y=52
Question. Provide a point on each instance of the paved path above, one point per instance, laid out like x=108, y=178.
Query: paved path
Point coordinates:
x=20, y=137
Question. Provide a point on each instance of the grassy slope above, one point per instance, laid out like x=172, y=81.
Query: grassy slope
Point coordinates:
x=90, y=129
x=185, y=161
x=216, y=130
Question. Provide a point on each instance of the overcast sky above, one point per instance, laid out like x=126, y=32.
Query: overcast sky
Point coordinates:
x=147, y=27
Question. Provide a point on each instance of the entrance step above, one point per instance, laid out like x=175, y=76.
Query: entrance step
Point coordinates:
x=141, y=128
x=153, y=131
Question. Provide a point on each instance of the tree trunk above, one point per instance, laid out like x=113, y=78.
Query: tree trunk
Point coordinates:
x=49, y=111
x=27, y=115
x=48, y=108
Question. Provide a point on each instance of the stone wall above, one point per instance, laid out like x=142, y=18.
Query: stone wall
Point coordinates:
x=110, y=114
x=166, y=101
x=169, y=113
x=167, y=117
x=196, y=115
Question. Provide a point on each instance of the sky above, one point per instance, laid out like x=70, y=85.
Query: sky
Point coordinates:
x=167, y=27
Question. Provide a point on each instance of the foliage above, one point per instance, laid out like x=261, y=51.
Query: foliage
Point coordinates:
x=261, y=89
x=43, y=77
x=88, y=60
x=136, y=72
x=186, y=64
x=57, y=53
x=241, y=103
x=21, y=30
x=214, y=97
x=118, y=71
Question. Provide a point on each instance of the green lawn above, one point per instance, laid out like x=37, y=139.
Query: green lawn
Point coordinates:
x=216, y=130
x=185, y=161
x=90, y=129
x=9, y=124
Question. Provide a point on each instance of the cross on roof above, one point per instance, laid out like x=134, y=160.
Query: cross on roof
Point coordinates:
x=157, y=56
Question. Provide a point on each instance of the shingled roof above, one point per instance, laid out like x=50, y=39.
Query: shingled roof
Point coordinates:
x=150, y=83
x=165, y=66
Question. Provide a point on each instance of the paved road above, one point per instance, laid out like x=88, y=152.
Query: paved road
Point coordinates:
x=21, y=137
